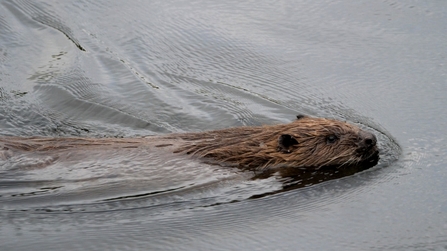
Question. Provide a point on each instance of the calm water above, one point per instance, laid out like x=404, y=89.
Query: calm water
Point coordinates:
x=126, y=69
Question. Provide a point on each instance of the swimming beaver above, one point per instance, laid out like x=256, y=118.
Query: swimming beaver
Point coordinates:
x=306, y=143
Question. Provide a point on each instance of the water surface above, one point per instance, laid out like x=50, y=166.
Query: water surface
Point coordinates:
x=105, y=69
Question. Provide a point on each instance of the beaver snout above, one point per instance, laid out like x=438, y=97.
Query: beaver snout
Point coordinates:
x=367, y=141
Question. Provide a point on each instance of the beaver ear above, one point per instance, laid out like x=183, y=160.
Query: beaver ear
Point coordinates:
x=300, y=116
x=285, y=141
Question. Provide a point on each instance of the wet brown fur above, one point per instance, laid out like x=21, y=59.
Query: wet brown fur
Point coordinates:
x=259, y=147
x=304, y=143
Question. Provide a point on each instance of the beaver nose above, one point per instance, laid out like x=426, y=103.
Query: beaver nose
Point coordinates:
x=367, y=140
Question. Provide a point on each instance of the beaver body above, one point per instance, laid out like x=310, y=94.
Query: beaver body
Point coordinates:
x=307, y=143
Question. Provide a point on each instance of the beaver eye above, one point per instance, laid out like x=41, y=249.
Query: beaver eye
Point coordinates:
x=331, y=139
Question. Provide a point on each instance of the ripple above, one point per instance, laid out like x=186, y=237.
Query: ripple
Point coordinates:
x=49, y=19
x=111, y=69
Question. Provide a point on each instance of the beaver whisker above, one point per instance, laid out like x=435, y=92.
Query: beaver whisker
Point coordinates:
x=348, y=161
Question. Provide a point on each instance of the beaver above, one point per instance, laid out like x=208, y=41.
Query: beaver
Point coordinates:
x=306, y=143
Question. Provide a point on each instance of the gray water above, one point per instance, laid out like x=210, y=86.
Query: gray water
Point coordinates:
x=134, y=68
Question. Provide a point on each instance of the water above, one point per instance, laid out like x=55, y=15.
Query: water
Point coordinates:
x=105, y=69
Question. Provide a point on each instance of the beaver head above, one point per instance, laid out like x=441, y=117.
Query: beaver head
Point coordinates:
x=317, y=142
x=305, y=143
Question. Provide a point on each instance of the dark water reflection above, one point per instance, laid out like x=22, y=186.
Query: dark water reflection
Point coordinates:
x=124, y=69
